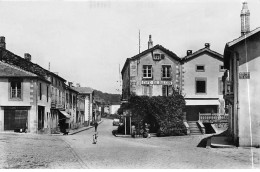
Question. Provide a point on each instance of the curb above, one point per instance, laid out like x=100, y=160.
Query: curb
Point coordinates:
x=80, y=130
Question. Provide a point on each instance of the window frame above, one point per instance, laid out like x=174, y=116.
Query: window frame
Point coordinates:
x=221, y=70
x=147, y=70
x=169, y=69
x=220, y=82
x=196, y=69
x=10, y=89
x=200, y=79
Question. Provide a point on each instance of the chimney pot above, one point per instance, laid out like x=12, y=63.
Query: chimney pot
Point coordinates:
x=189, y=52
x=207, y=45
x=70, y=84
x=2, y=42
x=27, y=57
x=78, y=84
x=150, y=42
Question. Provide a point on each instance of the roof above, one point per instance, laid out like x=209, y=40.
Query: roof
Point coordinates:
x=7, y=70
x=83, y=90
x=15, y=60
x=237, y=40
x=202, y=51
x=231, y=44
x=160, y=47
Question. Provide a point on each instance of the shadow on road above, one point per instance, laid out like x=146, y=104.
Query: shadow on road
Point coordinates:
x=203, y=142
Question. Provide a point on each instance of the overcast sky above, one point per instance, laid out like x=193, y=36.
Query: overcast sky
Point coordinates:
x=85, y=41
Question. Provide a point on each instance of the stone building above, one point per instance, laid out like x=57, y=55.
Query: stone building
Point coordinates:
x=152, y=72
x=86, y=93
x=202, y=83
x=25, y=93
x=242, y=83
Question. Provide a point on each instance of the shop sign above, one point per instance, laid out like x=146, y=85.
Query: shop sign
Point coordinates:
x=244, y=75
x=156, y=82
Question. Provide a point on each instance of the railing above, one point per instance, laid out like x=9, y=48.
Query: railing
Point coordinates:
x=213, y=118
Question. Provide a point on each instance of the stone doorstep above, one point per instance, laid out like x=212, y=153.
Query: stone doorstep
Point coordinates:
x=220, y=142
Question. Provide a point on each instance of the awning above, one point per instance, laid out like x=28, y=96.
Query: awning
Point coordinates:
x=65, y=114
x=202, y=102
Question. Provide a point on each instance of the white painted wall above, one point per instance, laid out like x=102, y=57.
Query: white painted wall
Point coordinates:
x=211, y=73
x=249, y=101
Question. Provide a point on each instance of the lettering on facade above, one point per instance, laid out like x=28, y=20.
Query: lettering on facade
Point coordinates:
x=156, y=82
x=244, y=75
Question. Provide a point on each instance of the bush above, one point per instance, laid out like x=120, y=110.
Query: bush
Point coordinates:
x=164, y=114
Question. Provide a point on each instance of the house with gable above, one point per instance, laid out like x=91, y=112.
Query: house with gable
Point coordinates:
x=152, y=72
x=46, y=92
x=202, y=82
x=242, y=84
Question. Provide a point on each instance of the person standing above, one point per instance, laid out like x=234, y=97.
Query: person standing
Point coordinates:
x=96, y=125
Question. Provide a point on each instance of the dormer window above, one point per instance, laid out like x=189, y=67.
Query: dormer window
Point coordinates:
x=147, y=71
x=200, y=68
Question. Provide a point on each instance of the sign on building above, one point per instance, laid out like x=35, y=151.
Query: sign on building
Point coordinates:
x=244, y=75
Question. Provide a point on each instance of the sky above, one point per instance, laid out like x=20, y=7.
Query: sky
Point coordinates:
x=87, y=42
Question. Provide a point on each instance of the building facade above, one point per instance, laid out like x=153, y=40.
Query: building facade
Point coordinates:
x=242, y=84
x=153, y=72
x=86, y=94
x=202, y=84
x=25, y=93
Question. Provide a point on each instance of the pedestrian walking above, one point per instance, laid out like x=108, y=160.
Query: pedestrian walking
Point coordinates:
x=95, y=138
x=96, y=125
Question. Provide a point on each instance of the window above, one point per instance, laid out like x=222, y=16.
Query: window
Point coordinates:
x=221, y=68
x=47, y=93
x=147, y=90
x=15, y=89
x=166, y=90
x=220, y=86
x=147, y=71
x=166, y=71
x=201, y=85
x=40, y=90
x=200, y=68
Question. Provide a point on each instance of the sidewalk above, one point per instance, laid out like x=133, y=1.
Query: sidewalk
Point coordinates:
x=75, y=131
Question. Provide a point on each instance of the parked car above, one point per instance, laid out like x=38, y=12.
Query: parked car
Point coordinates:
x=116, y=122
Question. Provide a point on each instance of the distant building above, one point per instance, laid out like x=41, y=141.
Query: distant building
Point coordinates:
x=114, y=108
x=86, y=93
x=71, y=105
x=242, y=84
x=153, y=72
x=202, y=82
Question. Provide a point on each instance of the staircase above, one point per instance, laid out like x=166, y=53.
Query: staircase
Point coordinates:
x=194, y=129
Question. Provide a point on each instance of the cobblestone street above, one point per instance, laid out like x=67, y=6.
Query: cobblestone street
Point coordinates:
x=27, y=151
x=23, y=151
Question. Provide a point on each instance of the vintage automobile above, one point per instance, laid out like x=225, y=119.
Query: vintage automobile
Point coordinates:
x=116, y=122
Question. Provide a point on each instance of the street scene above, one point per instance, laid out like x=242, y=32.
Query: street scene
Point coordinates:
x=130, y=85
x=77, y=151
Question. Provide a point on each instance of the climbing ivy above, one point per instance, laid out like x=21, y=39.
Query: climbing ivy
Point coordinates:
x=166, y=112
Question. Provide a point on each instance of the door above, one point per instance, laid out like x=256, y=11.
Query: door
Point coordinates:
x=40, y=117
x=15, y=119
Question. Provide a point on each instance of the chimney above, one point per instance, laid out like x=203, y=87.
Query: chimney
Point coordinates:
x=2, y=42
x=27, y=57
x=245, y=19
x=189, y=52
x=70, y=84
x=207, y=45
x=78, y=84
x=150, y=42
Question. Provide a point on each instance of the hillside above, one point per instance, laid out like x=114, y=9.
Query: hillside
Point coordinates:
x=107, y=97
